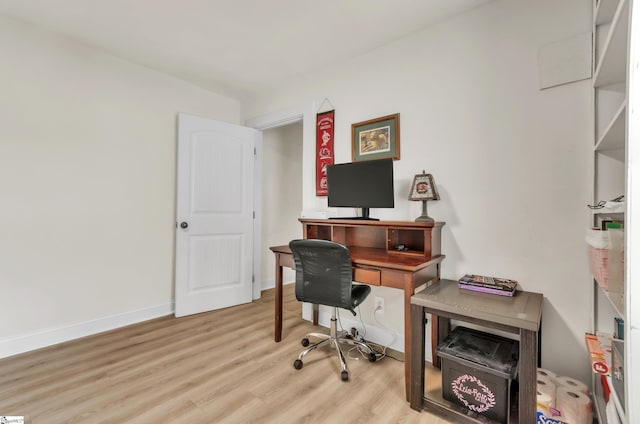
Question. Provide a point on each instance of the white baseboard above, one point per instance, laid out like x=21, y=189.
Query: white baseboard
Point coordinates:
x=271, y=284
x=268, y=284
x=28, y=342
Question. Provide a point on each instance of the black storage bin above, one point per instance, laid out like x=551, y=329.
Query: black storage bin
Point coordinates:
x=477, y=371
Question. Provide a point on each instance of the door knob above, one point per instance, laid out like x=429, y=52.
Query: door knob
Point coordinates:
x=184, y=225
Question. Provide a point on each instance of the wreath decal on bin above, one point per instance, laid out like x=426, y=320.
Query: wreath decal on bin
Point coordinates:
x=484, y=396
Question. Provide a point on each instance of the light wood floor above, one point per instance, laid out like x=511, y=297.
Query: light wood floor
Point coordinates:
x=216, y=367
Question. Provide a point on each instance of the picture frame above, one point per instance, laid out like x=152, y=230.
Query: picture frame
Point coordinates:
x=423, y=188
x=377, y=138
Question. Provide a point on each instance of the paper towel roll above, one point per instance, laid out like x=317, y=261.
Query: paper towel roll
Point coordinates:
x=547, y=387
x=574, y=406
x=546, y=373
x=572, y=383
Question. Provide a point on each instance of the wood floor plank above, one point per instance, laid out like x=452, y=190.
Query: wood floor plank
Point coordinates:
x=216, y=367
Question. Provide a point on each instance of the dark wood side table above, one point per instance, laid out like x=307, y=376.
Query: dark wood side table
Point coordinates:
x=520, y=315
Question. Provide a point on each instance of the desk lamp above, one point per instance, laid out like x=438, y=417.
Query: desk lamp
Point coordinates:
x=423, y=189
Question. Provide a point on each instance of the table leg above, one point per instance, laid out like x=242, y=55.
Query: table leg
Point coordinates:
x=527, y=376
x=435, y=360
x=408, y=292
x=278, y=300
x=416, y=385
x=440, y=328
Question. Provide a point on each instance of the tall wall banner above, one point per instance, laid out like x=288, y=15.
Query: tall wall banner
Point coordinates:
x=324, y=149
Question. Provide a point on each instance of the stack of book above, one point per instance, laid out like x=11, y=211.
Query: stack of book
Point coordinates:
x=493, y=285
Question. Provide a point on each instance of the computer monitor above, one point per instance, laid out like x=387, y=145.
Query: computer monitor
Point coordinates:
x=366, y=184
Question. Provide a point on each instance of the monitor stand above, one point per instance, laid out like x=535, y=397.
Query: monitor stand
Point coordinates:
x=365, y=216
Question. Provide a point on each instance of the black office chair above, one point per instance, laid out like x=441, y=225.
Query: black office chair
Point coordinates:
x=323, y=277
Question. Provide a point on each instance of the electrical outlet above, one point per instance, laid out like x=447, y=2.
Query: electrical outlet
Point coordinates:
x=378, y=304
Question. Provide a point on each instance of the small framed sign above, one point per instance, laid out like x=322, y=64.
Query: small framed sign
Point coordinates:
x=376, y=138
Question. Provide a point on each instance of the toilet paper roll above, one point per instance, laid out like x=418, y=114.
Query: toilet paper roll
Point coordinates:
x=574, y=406
x=543, y=403
x=547, y=387
x=572, y=383
x=546, y=373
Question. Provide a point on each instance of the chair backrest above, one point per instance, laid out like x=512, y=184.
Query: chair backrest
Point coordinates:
x=323, y=272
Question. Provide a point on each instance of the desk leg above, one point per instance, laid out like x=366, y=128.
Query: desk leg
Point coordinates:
x=416, y=386
x=278, y=301
x=527, y=376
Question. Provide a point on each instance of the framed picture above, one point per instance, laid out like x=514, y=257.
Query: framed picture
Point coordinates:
x=376, y=139
x=423, y=188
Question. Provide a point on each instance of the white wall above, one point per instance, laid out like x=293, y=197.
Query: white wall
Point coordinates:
x=281, y=193
x=510, y=161
x=87, y=170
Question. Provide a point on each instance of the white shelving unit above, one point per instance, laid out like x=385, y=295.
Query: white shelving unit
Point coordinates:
x=614, y=129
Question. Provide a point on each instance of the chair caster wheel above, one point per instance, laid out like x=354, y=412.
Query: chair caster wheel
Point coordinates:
x=304, y=342
x=344, y=375
x=297, y=364
x=372, y=357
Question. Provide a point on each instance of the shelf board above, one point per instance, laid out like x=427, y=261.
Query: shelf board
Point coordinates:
x=612, y=67
x=616, y=300
x=614, y=135
x=605, y=11
x=608, y=215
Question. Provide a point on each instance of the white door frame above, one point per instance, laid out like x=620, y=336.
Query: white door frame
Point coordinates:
x=305, y=113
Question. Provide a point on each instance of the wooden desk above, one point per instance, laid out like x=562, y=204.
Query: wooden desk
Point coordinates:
x=520, y=314
x=372, y=246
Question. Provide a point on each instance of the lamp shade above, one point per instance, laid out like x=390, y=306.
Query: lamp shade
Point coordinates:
x=423, y=188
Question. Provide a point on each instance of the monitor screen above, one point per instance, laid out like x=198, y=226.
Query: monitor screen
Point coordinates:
x=367, y=184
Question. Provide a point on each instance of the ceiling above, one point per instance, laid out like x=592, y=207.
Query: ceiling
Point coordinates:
x=235, y=47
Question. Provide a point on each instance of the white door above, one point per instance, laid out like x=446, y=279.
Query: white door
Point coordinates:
x=215, y=215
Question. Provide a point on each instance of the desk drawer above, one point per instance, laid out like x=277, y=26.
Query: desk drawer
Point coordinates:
x=366, y=275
